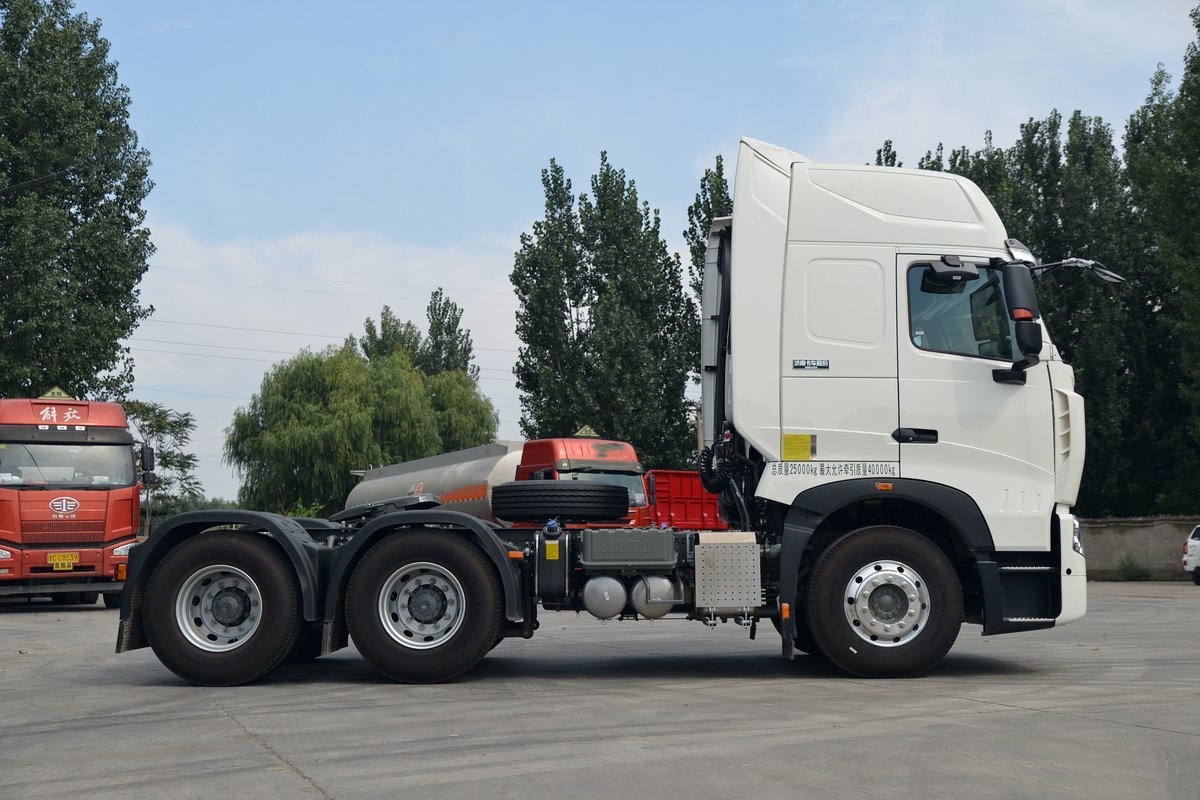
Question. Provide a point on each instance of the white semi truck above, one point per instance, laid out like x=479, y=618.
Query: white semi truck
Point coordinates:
x=893, y=434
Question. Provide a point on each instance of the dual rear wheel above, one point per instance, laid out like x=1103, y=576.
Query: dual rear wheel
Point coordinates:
x=424, y=607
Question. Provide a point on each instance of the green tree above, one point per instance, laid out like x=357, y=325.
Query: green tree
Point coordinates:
x=552, y=323
x=1162, y=147
x=316, y=417
x=712, y=201
x=603, y=320
x=168, y=431
x=391, y=334
x=446, y=347
x=641, y=322
x=72, y=180
x=886, y=156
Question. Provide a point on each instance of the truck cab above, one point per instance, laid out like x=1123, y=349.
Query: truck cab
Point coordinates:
x=69, y=499
x=873, y=355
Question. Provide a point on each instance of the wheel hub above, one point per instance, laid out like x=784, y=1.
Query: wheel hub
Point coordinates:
x=887, y=603
x=218, y=608
x=427, y=603
x=231, y=606
x=422, y=605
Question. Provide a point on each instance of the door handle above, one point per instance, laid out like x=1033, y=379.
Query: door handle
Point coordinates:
x=915, y=436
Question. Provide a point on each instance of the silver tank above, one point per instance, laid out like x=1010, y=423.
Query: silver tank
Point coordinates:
x=463, y=479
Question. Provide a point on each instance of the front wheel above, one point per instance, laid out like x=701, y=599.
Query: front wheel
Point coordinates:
x=884, y=602
x=424, y=607
x=222, y=609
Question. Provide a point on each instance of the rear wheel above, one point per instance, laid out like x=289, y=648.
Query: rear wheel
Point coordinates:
x=222, y=609
x=112, y=600
x=424, y=607
x=884, y=602
x=65, y=598
x=88, y=598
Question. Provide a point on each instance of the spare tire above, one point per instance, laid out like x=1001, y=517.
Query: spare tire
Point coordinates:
x=566, y=501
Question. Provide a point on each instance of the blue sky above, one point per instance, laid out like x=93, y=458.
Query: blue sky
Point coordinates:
x=314, y=161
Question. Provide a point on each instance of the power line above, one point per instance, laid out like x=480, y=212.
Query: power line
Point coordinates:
x=215, y=346
x=335, y=281
x=287, y=333
x=325, y=292
x=269, y=361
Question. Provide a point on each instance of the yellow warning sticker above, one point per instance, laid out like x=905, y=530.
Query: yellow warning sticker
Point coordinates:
x=799, y=446
x=552, y=551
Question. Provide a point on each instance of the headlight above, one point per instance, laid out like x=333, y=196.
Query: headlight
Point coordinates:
x=124, y=549
x=1076, y=542
x=5, y=554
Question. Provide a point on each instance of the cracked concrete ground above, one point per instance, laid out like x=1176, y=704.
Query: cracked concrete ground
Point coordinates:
x=1108, y=707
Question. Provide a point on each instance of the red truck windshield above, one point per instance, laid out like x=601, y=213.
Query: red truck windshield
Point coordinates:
x=65, y=465
x=632, y=483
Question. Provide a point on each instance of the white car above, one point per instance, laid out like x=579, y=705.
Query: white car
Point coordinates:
x=1191, y=555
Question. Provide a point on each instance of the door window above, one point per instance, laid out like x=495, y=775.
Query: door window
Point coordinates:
x=968, y=318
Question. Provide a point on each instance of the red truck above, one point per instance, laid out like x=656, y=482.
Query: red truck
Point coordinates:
x=69, y=498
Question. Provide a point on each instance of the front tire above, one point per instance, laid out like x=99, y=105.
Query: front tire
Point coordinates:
x=424, y=607
x=884, y=602
x=222, y=609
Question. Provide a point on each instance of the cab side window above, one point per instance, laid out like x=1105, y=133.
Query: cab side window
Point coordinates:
x=969, y=318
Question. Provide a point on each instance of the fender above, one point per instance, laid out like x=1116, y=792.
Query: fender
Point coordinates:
x=345, y=558
x=812, y=506
x=306, y=556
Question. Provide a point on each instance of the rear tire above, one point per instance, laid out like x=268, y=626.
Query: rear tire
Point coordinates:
x=65, y=598
x=569, y=501
x=222, y=609
x=88, y=598
x=424, y=607
x=884, y=602
x=112, y=600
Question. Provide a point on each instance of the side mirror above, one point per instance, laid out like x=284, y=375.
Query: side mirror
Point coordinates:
x=1029, y=339
x=149, y=479
x=147, y=458
x=651, y=485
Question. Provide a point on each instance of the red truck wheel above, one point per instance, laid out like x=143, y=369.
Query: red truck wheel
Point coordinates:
x=424, y=607
x=222, y=609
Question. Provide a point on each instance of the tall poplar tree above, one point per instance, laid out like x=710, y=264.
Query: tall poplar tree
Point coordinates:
x=72, y=180
x=1162, y=152
x=603, y=320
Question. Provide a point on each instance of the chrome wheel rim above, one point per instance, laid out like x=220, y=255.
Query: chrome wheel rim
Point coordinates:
x=218, y=608
x=887, y=604
x=421, y=605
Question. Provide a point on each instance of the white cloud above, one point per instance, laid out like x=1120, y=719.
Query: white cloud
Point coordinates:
x=226, y=311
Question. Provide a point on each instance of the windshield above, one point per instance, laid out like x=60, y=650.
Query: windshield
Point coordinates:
x=66, y=465
x=632, y=483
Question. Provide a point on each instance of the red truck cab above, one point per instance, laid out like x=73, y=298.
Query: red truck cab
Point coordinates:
x=69, y=498
x=588, y=459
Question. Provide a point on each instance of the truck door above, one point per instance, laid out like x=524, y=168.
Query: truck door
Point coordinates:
x=958, y=425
